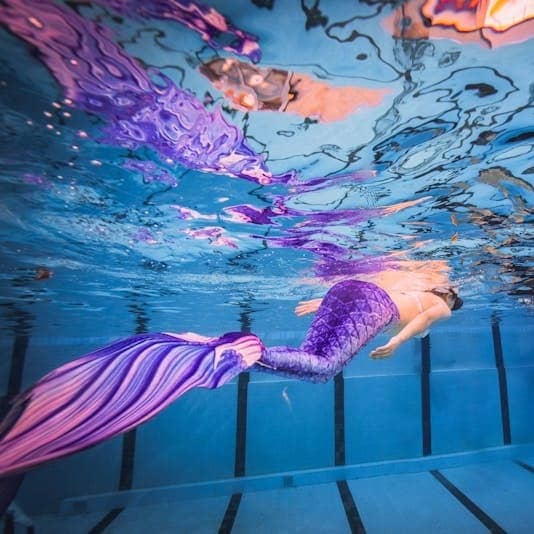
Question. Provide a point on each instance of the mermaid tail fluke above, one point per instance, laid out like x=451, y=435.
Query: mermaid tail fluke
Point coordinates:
x=113, y=390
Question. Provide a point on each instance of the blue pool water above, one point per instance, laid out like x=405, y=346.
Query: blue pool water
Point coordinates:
x=110, y=227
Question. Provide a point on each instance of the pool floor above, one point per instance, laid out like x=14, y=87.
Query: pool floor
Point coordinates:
x=494, y=496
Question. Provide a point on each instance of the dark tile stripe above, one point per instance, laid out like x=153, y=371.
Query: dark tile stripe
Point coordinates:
x=127, y=460
x=14, y=385
x=231, y=512
x=240, y=432
x=18, y=356
x=128, y=440
x=503, y=385
x=353, y=516
x=484, y=518
x=339, y=419
x=426, y=423
x=106, y=521
x=351, y=510
x=9, y=524
x=240, y=451
x=241, y=425
x=524, y=465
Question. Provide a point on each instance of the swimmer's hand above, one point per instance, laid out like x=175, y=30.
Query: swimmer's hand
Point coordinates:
x=307, y=306
x=385, y=351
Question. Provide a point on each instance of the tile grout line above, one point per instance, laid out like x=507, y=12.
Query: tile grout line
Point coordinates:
x=524, y=465
x=426, y=422
x=14, y=385
x=106, y=521
x=18, y=360
x=230, y=514
x=503, y=385
x=351, y=510
x=347, y=499
x=484, y=518
x=339, y=419
x=128, y=443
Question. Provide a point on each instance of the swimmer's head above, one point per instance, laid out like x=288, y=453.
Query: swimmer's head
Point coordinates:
x=449, y=295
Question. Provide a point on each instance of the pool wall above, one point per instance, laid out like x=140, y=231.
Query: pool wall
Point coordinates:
x=467, y=387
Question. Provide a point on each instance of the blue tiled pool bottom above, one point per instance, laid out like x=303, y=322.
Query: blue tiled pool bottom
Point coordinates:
x=426, y=403
x=494, y=496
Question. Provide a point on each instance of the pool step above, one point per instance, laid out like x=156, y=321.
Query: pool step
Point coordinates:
x=495, y=496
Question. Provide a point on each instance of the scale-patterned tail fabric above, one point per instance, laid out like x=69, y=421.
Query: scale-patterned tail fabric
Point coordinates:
x=350, y=315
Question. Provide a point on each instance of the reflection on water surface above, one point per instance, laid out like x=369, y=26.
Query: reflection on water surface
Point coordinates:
x=164, y=146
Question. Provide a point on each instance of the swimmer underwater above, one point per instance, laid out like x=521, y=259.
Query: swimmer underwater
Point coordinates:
x=114, y=389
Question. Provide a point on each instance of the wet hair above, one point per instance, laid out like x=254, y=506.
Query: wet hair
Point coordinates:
x=458, y=302
x=443, y=292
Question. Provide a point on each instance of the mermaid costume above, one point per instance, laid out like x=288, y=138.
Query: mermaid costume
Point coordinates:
x=116, y=388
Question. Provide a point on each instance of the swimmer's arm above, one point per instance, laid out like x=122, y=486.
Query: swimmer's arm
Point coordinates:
x=416, y=326
x=307, y=306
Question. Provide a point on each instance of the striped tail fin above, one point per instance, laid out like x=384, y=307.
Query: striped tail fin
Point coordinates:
x=113, y=390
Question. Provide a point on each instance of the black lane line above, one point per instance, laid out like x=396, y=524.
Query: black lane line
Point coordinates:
x=484, y=518
x=125, y=480
x=127, y=460
x=128, y=440
x=339, y=419
x=230, y=514
x=351, y=510
x=353, y=516
x=106, y=521
x=426, y=422
x=9, y=524
x=524, y=465
x=14, y=385
x=240, y=432
x=503, y=385
x=18, y=358
x=241, y=427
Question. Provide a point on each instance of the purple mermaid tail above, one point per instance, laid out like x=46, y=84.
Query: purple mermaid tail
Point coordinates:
x=350, y=315
x=113, y=390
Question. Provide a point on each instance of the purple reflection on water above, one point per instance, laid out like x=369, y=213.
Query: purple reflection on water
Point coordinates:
x=214, y=234
x=188, y=214
x=144, y=235
x=34, y=179
x=246, y=213
x=334, y=267
x=141, y=108
x=209, y=23
x=151, y=172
